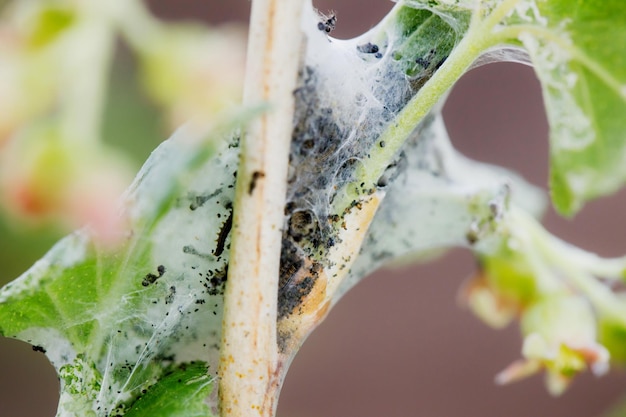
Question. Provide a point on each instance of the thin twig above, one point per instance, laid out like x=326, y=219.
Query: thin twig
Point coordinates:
x=248, y=359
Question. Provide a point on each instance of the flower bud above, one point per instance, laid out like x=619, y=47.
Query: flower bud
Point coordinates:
x=29, y=69
x=503, y=288
x=45, y=178
x=487, y=304
x=560, y=337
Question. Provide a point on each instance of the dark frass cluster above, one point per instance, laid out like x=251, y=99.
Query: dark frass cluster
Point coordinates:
x=338, y=122
x=168, y=299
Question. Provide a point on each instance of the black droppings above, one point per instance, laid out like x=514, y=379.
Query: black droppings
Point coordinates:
x=328, y=145
x=38, y=348
x=169, y=298
x=192, y=251
x=256, y=175
x=150, y=278
x=422, y=62
x=426, y=60
x=216, y=283
x=292, y=294
x=296, y=279
x=367, y=48
x=198, y=201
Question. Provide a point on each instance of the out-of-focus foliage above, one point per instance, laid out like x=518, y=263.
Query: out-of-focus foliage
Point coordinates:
x=38, y=199
x=69, y=119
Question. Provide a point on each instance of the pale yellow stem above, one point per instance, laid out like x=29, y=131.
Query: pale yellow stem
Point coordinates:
x=249, y=381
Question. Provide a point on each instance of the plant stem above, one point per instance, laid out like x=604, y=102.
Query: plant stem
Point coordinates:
x=576, y=265
x=371, y=169
x=478, y=39
x=249, y=381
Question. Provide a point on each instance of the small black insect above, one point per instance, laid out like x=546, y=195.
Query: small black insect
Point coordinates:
x=328, y=23
x=223, y=234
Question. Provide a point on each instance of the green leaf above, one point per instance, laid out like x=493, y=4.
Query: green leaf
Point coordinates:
x=117, y=322
x=577, y=51
x=180, y=393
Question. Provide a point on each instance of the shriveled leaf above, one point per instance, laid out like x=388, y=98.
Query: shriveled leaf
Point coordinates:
x=359, y=147
x=120, y=322
x=439, y=200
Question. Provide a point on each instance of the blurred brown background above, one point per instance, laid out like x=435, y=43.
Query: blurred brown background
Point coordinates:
x=398, y=344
